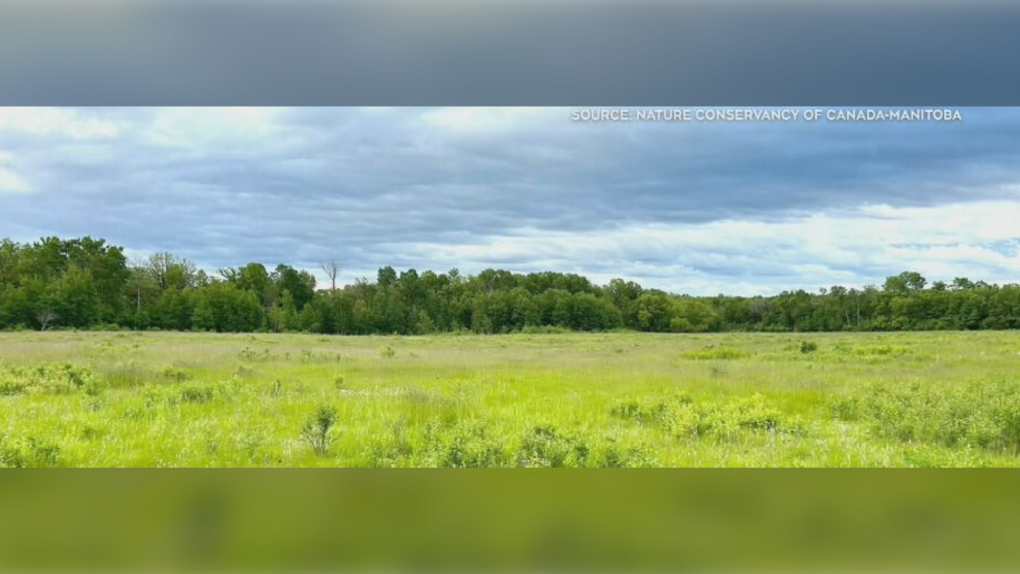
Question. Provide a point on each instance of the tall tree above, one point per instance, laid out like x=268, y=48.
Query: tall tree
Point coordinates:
x=332, y=270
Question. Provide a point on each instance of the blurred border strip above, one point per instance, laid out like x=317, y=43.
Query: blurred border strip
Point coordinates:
x=472, y=52
x=508, y=521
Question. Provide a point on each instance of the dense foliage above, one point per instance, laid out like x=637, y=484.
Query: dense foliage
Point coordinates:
x=88, y=283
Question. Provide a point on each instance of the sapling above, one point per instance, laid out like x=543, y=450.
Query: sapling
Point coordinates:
x=317, y=427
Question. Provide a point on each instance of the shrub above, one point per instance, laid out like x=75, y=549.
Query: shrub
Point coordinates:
x=808, y=347
x=176, y=395
x=544, y=330
x=11, y=386
x=316, y=429
x=720, y=419
x=387, y=352
x=983, y=414
x=197, y=393
x=464, y=444
x=277, y=388
x=879, y=351
x=846, y=408
x=664, y=413
x=614, y=456
x=28, y=453
x=712, y=352
x=249, y=354
x=545, y=447
x=54, y=379
x=174, y=374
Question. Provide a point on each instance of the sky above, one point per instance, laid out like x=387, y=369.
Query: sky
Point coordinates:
x=699, y=208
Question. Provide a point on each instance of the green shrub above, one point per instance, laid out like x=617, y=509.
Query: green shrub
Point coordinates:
x=846, y=408
x=28, y=453
x=249, y=354
x=613, y=456
x=277, y=388
x=879, y=351
x=10, y=386
x=983, y=414
x=316, y=429
x=53, y=379
x=178, y=394
x=464, y=444
x=713, y=353
x=544, y=330
x=684, y=417
x=544, y=447
x=808, y=347
x=194, y=393
x=174, y=374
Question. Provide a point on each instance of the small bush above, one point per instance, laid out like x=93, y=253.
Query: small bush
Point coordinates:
x=178, y=394
x=713, y=353
x=316, y=429
x=465, y=444
x=174, y=374
x=387, y=352
x=197, y=393
x=53, y=379
x=614, y=456
x=846, y=408
x=276, y=389
x=11, y=456
x=808, y=347
x=879, y=351
x=11, y=386
x=544, y=447
x=249, y=354
x=983, y=414
x=544, y=330
x=720, y=419
x=28, y=453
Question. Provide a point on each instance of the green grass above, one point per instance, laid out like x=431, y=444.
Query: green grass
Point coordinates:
x=594, y=400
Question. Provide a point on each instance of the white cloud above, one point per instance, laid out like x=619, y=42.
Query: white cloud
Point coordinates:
x=751, y=257
x=489, y=120
x=52, y=121
x=10, y=182
x=213, y=130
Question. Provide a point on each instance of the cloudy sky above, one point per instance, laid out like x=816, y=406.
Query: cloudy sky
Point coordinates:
x=697, y=208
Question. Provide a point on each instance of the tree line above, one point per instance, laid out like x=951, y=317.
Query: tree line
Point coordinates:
x=87, y=283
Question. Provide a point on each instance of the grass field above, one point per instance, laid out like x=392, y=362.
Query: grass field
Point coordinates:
x=596, y=400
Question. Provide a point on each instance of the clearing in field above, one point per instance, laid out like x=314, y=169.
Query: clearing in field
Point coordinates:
x=150, y=399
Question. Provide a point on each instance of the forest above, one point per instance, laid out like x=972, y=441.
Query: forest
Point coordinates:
x=87, y=283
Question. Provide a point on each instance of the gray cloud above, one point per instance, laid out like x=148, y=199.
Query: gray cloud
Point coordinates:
x=415, y=187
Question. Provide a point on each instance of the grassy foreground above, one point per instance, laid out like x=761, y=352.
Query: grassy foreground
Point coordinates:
x=595, y=400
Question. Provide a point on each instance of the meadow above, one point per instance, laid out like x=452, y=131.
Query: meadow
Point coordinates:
x=619, y=399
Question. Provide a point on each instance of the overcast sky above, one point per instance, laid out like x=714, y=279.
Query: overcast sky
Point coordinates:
x=695, y=208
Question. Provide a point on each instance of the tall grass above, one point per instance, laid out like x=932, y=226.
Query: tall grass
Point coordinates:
x=526, y=400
